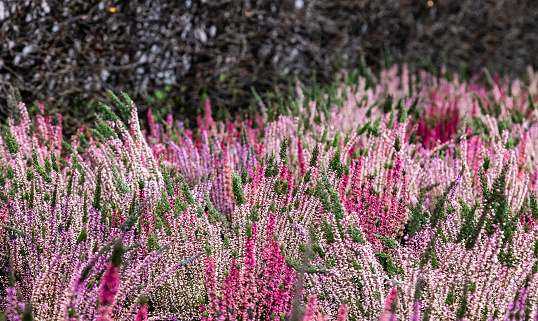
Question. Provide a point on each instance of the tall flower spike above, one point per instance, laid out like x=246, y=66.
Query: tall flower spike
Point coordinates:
x=12, y=305
x=110, y=284
x=342, y=313
x=142, y=314
x=311, y=309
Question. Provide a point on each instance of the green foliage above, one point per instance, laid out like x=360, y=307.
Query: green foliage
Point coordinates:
x=104, y=129
x=328, y=232
x=248, y=230
x=83, y=142
x=315, y=155
x=397, y=145
x=244, y=176
x=108, y=114
x=533, y=205
x=386, y=107
x=271, y=170
x=462, y=310
x=254, y=215
x=468, y=217
x=11, y=143
x=125, y=108
x=10, y=173
x=374, y=128
x=167, y=180
x=55, y=166
x=67, y=147
x=402, y=113
x=29, y=175
x=83, y=236
x=417, y=218
x=98, y=190
x=391, y=120
x=211, y=210
x=160, y=216
x=335, y=164
x=54, y=197
x=389, y=242
x=280, y=187
x=388, y=264
x=323, y=196
x=284, y=150
x=238, y=190
x=363, y=129
x=436, y=216
x=451, y=297
x=153, y=243
x=97, y=134
x=356, y=236
x=315, y=243
x=186, y=190
x=492, y=199
x=28, y=313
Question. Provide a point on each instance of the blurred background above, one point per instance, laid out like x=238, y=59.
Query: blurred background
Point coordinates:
x=168, y=55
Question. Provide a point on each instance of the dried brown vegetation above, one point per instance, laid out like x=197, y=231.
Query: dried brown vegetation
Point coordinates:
x=63, y=51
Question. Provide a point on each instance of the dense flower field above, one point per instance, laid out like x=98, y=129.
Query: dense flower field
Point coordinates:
x=397, y=197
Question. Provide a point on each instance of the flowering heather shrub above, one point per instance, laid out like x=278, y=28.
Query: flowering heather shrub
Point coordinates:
x=406, y=197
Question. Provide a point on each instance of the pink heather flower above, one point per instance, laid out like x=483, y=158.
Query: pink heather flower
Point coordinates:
x=390, y=302
x=143, y=160
x=151, y=124
x=227, y=178
x=248, y=279
x=59, y=131
x=109, y=286
x=211, y=286
x=342, y=313
x=209, y=123
x=457, y=183
x=392, y=317
x=343, y=186
x=169, y=120
x=12, y=304
x=302, y=165
x=311, y=308
x=269, y=233
x=274, y=300
x=417, y=311
x=103, y=314
x=230, y=289
x=323, y=318
x=286, y=175
x=142, y=314
x=516, y=309
x=4, y=218
x=200, y=123
x=188, y=133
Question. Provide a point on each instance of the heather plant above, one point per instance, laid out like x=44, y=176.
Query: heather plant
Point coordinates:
x=399, y=197
x=62, y=218
x=429, y=167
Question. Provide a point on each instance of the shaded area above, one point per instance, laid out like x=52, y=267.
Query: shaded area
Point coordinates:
x=67, y=53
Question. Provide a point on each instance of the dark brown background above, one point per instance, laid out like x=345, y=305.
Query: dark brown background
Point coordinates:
x=67, y=53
